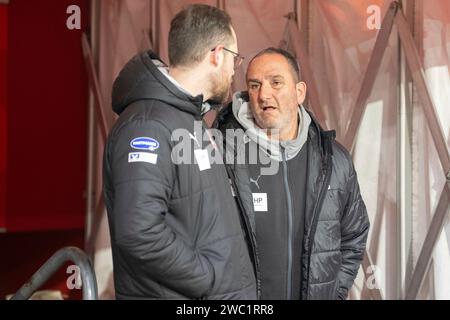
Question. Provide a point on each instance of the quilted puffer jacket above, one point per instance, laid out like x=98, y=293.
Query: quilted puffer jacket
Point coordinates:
x=336, y=220
x=176, y=232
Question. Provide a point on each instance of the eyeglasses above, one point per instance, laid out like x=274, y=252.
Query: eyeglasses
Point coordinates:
x=236, y=56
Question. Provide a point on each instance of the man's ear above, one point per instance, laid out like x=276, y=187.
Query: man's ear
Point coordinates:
x=216, y=56
x=300, y=89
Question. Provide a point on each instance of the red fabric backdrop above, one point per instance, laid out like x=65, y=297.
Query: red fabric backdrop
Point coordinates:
x=3, y=47
x=46, y=116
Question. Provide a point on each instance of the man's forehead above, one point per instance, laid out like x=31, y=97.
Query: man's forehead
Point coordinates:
x=268, y=66
x=264, y=75
x=268, y=73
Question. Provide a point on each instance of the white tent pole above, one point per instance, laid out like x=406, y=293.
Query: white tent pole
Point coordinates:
x=403, y=174
x=404, y=158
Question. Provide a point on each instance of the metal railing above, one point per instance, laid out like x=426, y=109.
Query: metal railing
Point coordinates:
x=89, y=282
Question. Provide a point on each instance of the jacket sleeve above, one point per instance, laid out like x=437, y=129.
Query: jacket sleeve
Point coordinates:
x=354, y=231
x=141, y=193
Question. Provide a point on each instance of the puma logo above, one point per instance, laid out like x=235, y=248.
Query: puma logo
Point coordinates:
x=255, y=181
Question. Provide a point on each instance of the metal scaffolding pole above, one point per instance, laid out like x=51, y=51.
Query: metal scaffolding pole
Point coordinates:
x=370, y=76
x=437, y=222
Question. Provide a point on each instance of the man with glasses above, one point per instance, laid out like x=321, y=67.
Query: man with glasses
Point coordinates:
x=176, y=231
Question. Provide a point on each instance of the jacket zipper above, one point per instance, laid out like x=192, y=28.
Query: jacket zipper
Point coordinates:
x=247, y=229
x=326, y=175
x=289, y=205
x=244, y=217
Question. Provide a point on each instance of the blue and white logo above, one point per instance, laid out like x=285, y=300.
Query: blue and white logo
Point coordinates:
x=143, y=157
x=144, y=143
x=133, y=156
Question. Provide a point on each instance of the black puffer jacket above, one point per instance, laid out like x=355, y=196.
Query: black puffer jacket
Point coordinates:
x=336, y=221
x=175, y=229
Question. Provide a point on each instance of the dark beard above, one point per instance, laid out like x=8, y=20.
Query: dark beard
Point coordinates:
x=219, y=98
x=220, y=93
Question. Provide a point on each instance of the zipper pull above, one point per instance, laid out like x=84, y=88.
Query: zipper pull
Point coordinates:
x=232, y=188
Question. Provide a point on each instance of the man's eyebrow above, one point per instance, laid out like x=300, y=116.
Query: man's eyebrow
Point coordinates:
x=254, y=80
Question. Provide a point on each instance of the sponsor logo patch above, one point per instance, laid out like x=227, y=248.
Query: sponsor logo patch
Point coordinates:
x=144, y=143
x=142, y=157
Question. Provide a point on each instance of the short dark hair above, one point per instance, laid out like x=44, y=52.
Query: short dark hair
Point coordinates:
x=289, y=57
x=196, y=30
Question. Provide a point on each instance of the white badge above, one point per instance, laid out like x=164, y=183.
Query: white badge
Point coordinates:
x=260, y=201
x=202, y=158
x=142, y=157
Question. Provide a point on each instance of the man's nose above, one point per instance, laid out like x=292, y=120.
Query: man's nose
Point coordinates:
x=264, y=92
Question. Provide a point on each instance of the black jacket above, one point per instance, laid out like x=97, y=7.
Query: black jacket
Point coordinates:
x=336, y=221
x=175, y=229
